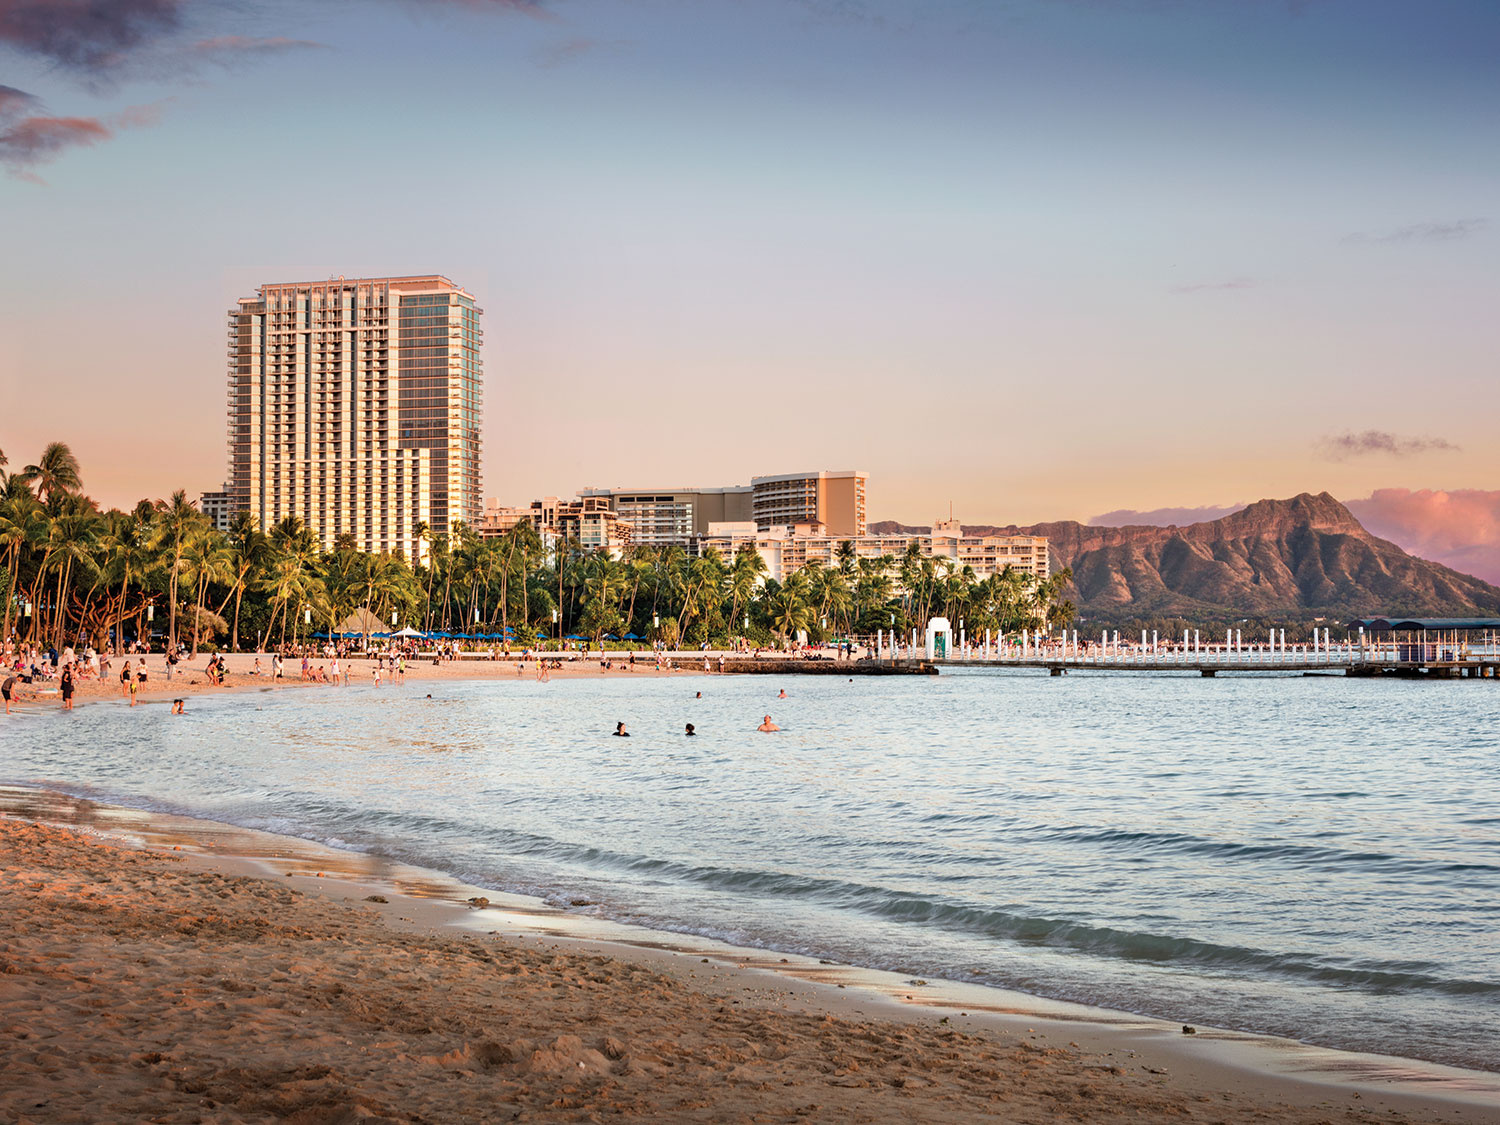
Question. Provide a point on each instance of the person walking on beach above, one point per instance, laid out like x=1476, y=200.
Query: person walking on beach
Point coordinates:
x=126, y=679
x=767, y=726
x=6, y=689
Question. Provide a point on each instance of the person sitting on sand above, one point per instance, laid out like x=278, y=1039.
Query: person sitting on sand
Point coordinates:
x=620, y=731
x=690, y=732
x=767, y=726
x=177, y=707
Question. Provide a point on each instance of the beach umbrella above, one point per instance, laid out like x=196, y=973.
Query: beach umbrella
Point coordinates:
x=631, y=637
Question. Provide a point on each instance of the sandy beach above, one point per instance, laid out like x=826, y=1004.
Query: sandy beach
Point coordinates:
x=164, y=970
x=189, y=679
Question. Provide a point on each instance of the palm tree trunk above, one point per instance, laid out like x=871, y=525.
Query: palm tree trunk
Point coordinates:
x=10, y=598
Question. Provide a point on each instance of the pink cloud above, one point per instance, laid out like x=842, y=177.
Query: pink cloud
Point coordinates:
x=34, y=140
x=1458, y=528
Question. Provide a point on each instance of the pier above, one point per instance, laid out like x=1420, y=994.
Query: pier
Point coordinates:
x=1352, y=663
x=1414, y=648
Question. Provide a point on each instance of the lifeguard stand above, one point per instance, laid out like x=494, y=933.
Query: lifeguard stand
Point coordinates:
x=939, y=638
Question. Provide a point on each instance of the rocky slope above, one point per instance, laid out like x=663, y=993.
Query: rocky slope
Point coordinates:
x=1304, y=555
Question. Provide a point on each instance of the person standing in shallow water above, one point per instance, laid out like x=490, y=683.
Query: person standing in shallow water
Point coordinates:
x=767, y=726
x=620, y=731
x=65, y=685
x=690, y=732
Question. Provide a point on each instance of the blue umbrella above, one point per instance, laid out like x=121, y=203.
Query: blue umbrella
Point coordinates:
x=631, y=637
x=576, y=637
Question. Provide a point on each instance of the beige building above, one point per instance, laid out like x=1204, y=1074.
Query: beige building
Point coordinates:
x=355, y=405
x=787, y=549
x=663, y=517
x=835, y=499
x=589, y=521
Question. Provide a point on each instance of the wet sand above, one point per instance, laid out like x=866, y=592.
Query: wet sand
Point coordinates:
x=155, y=968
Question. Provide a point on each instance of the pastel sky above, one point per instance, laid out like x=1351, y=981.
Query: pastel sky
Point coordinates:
x=1040, y=258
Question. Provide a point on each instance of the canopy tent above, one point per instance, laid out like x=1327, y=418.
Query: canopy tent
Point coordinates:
x=409, y=632
x=358, y=623
x=1425, y=624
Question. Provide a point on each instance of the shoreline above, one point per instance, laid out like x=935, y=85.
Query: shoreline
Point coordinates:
x=1213, y=1063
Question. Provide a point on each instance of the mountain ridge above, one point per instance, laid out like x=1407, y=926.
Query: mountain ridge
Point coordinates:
x=1305, y=554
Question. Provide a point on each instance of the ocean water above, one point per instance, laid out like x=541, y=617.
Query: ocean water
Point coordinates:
x=1311, y=857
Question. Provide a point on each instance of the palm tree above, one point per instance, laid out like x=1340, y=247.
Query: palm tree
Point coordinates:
x=56, y=472
x=250, y=552
x=787, y=606
x=745, y=575
x=206, y=558
x=23, y=526
x=126, y=557
x=75, y=533
x=174, y=522
x=290, y=572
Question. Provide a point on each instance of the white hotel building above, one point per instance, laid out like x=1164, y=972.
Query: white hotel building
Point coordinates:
x=787, y=549
x=355, y=405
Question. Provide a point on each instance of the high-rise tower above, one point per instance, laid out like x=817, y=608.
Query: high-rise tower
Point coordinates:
x=355, y=406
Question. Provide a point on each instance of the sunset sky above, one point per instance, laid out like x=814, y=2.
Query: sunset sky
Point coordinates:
x=1043, y=259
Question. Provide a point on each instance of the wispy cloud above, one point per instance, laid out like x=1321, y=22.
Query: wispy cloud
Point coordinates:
x=86, y=35
x=228, y=49
x=1215, y=286
x=37, y=139
x=571, y=50
x=1420, y=232
x=103, y=43
x=1380, y=443
x=15, y=102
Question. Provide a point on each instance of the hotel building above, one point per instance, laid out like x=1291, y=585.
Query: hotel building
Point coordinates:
x=355, y=406
x=589, y=522
x=836, y=500
x=786, y=549
x=664, y=517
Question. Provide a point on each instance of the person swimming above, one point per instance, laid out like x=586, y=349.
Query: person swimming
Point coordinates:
x=781, y=696
x=620, y=731
x=177, y=707
x=690, y=732
x=767, y=726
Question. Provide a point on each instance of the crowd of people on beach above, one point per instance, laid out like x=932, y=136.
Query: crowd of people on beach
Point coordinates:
x=28, y=673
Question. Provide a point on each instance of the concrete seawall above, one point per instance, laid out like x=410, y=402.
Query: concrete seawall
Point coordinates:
x=793, y=667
